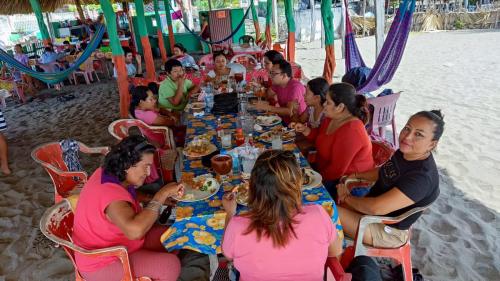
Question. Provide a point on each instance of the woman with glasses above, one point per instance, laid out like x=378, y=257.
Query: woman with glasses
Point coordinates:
x=279, y=238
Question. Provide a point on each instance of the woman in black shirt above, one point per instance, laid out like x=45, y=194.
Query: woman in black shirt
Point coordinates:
x=409, y=179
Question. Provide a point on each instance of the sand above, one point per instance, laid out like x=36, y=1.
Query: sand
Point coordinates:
x=455, y=240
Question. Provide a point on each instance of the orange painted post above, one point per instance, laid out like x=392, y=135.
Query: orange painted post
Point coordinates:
x=171, y=38
x=290, y=21
x=269, y=39
x=118, y=58
x=159, y=32
x=327, y=16
x=255, y=22
x=146, y=46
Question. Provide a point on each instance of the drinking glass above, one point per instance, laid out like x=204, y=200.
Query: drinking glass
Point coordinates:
x=226, y=140
x=276, y=141
x=222, y=165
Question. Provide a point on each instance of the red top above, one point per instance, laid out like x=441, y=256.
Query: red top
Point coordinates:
x=348, y=150
x=91, y=229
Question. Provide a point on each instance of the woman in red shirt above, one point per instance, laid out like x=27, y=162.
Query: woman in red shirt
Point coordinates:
x=342, y=144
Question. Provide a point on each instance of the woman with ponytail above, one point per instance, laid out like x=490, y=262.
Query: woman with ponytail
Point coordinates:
x=144, y=106
x=343, y=146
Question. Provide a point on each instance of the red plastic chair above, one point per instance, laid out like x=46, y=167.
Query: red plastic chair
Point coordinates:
x=162, y=136
x=381, y=152
x=50, y=156
x=383, y=115
x=248, y=61
x=280, y=47
x=57, y=225
x=402, y=254
x=335, y=267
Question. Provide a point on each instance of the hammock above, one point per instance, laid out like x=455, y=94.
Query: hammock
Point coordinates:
x=220, y=41
x=55, y=77
x=392, y=51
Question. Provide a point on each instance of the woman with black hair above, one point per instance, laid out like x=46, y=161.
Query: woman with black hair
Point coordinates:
x=144, y=106
x=316, y=91
x=408, y=180
x=342, y=143
x=109, y=215
x=180, y=54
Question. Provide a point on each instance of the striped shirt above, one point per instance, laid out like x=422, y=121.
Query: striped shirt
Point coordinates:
x=3, y=125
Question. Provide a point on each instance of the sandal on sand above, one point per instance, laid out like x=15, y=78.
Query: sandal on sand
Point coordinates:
x=65, y=98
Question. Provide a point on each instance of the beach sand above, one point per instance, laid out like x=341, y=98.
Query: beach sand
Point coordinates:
x=457, y=238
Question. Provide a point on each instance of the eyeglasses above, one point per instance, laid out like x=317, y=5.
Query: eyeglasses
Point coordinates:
x=274, y=73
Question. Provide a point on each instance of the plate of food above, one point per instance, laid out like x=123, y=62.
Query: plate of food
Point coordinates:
x=311, y=178
x=197, y=105
x=286, y=134
x=199, y=148
x=224, y=90
x=242, y=193
x=198, y=188
x=268, y=120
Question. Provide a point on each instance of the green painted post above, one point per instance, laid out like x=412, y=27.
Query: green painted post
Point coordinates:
x=37, y=9
x=171, y=38
x=290, y=22
x=327, y=17
x=269, y=15
x=146, y=45
x=255, y=19
x=118, y=58
x=159, y=32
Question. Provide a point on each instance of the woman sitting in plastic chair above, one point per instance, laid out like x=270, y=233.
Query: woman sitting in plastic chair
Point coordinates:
x=110, y=215
x=408, y=180
x=278, y=229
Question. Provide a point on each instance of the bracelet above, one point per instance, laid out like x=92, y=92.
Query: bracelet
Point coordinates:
x=154, y=206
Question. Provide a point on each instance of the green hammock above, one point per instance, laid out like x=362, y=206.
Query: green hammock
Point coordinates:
x=55, y=77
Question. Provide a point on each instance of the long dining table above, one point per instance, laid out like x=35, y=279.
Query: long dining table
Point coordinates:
x=199, y=225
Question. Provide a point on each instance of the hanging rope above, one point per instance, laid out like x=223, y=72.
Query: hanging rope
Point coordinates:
x=213, y=42
x=55, y=77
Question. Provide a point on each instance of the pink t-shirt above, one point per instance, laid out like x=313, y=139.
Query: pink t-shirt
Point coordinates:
x=148, y=116
x=91, y=229
x=294, y=90
x=303, y=258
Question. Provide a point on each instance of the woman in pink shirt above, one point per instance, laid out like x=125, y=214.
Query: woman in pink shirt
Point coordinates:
x=108, y=214
x=279, y=238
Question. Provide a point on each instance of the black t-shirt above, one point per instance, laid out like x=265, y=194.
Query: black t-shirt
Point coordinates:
x=419, y=180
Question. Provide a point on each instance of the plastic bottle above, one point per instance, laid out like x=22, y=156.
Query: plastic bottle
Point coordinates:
x=219, y=129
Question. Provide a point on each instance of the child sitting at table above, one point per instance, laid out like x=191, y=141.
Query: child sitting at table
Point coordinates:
x=144, y=107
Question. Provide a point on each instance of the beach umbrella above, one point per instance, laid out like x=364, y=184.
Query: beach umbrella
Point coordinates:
x=327, y=17
x=255, y=19
x=146, y=45
x=290, y=22
x=159, y=32
x=269, y=14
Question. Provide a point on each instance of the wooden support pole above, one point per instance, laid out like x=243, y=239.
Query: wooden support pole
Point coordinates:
x=171, y=38
x=78, y=5
x=290, y=21
x=159, y=32
x=118, y=58
x=146, y=45
x=37, y=9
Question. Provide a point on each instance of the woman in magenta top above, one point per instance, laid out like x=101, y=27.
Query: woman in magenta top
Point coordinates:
x=108, y=214
x=279, y=238
x=342, y=143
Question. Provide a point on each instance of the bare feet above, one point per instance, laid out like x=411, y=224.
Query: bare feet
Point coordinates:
x=5, y=170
